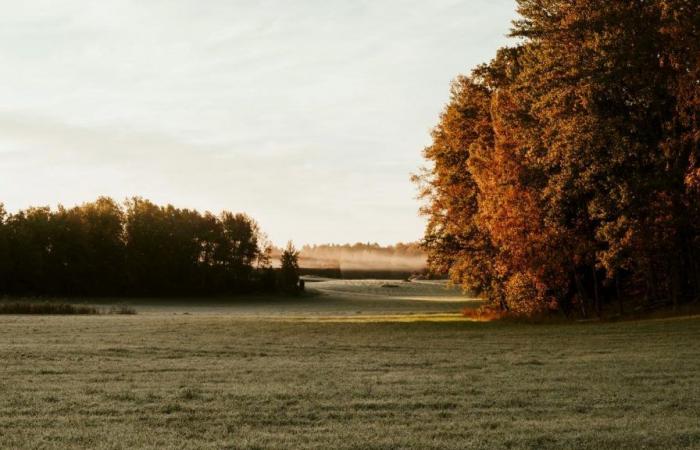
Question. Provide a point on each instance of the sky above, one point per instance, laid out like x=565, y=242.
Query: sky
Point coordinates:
x=309, y=115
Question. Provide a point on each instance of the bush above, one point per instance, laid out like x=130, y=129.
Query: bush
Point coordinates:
x=49, y=308
x=46, y=308
x=485, y=313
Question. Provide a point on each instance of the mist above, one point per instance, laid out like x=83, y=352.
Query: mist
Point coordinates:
x=364, y=257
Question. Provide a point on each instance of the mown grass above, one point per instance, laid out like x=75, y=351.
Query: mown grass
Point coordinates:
x=221, y=381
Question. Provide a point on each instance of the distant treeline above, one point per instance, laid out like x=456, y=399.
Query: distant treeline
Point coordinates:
x=565, y=174
x=364, y=257
x=136, y=248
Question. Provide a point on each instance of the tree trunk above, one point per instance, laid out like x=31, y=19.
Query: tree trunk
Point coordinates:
x=619, y=295
x=676, y=282
x=653, y=285
x=598, y=306
x=693, y=273
x=582, y=295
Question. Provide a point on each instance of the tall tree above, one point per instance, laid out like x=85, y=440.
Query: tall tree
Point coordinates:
x=585, y=173
x=289, y=272
x=454, y=240
x=4, y=251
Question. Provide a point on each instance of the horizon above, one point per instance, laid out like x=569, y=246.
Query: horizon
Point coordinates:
x=547, y=297
x=310, y=118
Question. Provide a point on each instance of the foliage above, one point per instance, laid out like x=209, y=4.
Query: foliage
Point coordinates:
x=564, y=174
x=139, y=249
x=46, y=308
x=289, y=272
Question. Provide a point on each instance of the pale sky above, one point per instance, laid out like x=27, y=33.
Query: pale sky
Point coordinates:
x=309, y=115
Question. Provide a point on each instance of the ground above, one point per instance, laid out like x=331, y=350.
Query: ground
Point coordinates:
x=359, y=366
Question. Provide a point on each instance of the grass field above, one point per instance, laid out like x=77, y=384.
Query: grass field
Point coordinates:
x=341, y=370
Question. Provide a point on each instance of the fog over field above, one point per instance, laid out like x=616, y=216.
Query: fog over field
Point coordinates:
x=363, y=260
x=362, y=257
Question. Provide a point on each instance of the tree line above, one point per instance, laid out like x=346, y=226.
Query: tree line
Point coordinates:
x=564, y=175
x=137, y=248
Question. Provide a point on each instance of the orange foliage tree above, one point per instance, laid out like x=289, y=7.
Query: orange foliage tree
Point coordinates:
x=564, y=174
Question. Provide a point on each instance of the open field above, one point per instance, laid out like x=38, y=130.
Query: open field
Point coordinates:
x=322, y=377
x=324, y=298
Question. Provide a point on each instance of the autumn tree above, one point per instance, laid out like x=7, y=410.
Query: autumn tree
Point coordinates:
x=583, y=180
x=455, y=242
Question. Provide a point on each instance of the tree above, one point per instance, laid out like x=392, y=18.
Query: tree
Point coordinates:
x=573, y=159
x=454, y=240
x=101, y=248
x=29, y=249
x=238, y=247
x=289, y=272
x=105, y=245
x=4, y=251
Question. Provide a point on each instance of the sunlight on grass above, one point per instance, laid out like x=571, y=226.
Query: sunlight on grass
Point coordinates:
x=378, y=318
x=218, y=381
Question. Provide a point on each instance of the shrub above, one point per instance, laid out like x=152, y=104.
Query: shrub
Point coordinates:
x=485, y=313
x=50, y=308
x=46, y=308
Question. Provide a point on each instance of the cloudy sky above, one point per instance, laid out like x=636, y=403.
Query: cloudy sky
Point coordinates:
x=310, y=115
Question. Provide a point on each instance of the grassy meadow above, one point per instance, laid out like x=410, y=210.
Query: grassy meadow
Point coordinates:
x=346, y=369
